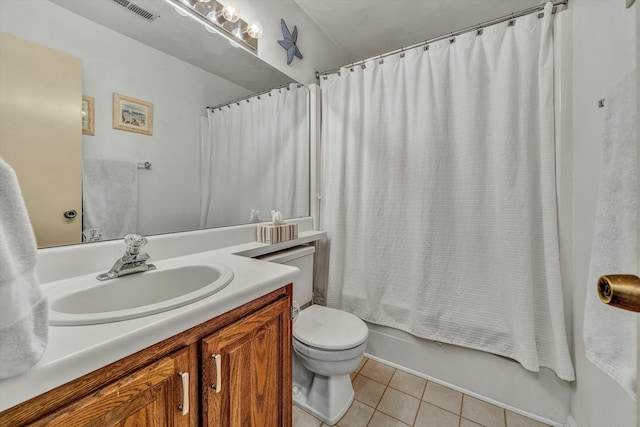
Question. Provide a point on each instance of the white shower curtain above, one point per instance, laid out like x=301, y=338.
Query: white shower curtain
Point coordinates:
x=439, y=195
x=255, y=156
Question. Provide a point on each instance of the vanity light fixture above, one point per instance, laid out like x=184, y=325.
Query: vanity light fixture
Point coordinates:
x=216, y=16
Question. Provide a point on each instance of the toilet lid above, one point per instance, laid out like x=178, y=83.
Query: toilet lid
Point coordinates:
x=329, y=329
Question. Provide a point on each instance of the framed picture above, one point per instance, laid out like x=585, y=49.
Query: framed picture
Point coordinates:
x=87, y=116
x=132, y=115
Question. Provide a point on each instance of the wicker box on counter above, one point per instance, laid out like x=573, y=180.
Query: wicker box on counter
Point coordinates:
x=269, y=233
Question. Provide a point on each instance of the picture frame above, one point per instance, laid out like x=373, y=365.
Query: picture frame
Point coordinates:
x=132, y=115
x=88, y=116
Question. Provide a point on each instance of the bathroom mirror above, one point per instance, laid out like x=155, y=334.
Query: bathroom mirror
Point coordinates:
x=147, y=76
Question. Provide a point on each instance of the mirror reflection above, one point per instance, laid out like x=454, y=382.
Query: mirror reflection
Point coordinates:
x=92, y=93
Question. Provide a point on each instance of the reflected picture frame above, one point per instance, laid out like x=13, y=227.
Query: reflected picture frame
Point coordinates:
x=88, y=115
x=132, y=115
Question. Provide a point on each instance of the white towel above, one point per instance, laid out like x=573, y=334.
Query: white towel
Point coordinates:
x=23, y=310
x=110, y=197
x=610, y=333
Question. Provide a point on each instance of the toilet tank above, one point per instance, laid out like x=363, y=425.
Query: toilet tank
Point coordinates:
x=301, y=257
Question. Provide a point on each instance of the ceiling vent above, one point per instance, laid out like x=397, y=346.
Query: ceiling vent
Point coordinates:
x=138, y=10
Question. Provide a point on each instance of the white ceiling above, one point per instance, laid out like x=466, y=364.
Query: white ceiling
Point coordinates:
x=366, y=28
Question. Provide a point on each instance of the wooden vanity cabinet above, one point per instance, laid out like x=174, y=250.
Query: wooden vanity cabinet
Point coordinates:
x=148, y=397
x=252, y=376
x=246, y=371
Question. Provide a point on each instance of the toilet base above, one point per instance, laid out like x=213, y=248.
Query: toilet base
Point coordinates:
x=327, y=398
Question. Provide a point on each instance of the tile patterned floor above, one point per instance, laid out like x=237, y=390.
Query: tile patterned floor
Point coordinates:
x=387, y=397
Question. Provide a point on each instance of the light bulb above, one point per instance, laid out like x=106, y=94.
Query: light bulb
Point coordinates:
x=254, y=30
x=204, y=1
x=230, y=12
x=237, y=33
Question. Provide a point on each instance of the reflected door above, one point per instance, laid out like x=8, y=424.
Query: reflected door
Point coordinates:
x=41, y=135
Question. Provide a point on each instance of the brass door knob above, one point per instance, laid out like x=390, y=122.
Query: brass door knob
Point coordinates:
x=620, y=290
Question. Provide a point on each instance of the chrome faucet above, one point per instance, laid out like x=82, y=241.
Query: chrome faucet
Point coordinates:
x=132, y=261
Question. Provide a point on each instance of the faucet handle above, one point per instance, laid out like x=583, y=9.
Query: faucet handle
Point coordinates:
x=134, y=243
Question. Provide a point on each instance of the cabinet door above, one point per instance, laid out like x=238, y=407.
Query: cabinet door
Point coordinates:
x=151, y=396
x=246, y=371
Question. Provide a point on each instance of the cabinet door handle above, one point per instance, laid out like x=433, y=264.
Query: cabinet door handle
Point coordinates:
x=185, y=393
x=218, y=360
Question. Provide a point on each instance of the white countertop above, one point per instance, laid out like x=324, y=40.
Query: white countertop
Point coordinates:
x=74, y=351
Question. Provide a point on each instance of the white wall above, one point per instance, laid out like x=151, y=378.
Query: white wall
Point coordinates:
x=319, y=52
x=604, y=49
x=168, y=192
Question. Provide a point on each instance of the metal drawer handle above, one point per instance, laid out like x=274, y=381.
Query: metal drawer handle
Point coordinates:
x=185, y=393
x=218, y=360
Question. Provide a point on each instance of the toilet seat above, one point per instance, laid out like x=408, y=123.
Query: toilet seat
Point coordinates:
x=328, y=355
x=326, y=328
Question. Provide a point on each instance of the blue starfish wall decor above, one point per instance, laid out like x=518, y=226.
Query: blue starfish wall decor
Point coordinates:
x=289, y=42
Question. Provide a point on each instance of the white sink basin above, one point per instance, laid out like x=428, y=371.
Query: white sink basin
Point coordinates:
x=87, y=301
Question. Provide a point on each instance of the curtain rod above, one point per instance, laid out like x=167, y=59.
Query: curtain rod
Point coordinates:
x=253, y=95
x=451, y=36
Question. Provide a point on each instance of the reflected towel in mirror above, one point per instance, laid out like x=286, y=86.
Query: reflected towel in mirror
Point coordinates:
x=110, y=197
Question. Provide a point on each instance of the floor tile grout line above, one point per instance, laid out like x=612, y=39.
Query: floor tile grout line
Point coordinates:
x=395, y=388
x=440, y=407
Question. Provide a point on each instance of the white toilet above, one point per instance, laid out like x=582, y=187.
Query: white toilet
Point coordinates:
x=328, y=345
